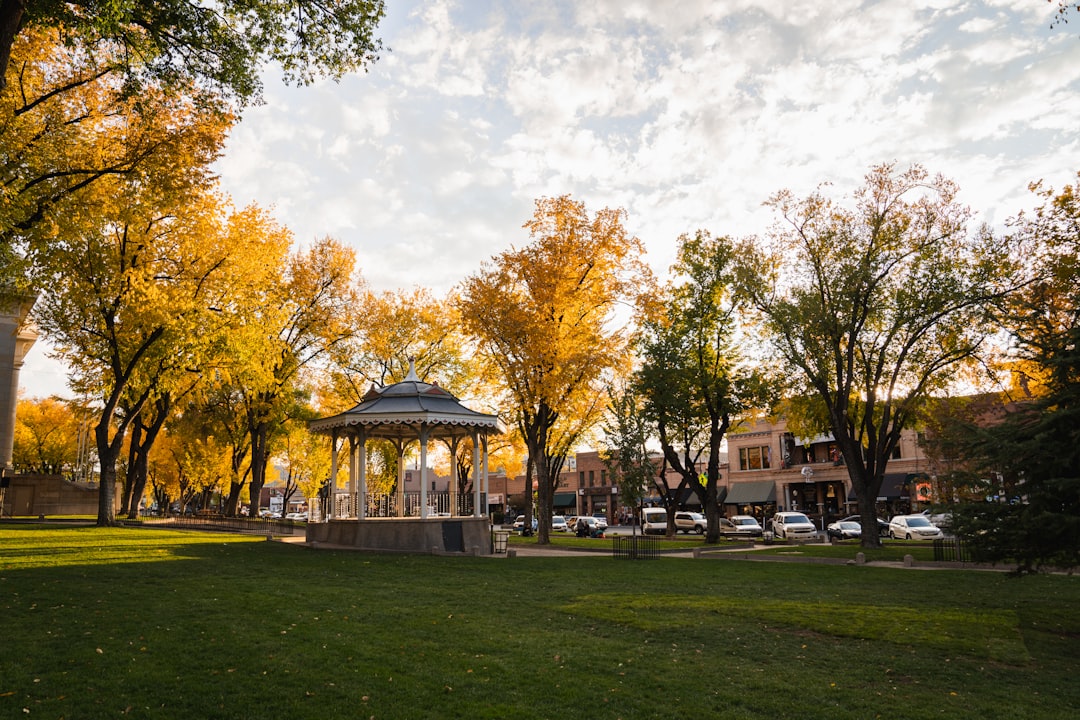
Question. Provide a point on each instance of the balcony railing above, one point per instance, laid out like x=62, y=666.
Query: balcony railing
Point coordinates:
x=391, y=505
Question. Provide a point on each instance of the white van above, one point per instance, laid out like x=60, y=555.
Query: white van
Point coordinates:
x=654, y=521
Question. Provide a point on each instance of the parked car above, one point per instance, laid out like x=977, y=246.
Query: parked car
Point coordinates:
x=688, y=522
x=913, y=527
x=601, y=521
x=558, y=524
x=882, y=525
x=793, y=525
x=741, y=526
x=844, y=530
x=943, y=520
x=302, y=516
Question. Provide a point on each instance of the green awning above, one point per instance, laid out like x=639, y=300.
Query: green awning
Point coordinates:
x=565, y=500
x=751, y=493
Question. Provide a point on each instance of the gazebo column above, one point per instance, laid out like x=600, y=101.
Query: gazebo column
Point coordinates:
x=400, y=510
x=331, y=490
x=484, y=472
x=423, y=471
x=455, y=486
x=352, y=474
x=361, y=500
x=476, y=473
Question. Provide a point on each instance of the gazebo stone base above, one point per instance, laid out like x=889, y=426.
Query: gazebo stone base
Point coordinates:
x=435, y=536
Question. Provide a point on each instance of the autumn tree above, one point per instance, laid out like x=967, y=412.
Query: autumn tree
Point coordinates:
x=545, y=317
x=872, y=309
x=305, y=459
x=693, y=379
x=293, y=331
x=135, y=298
x=394, y=329
x=66, y=124
x=222, y=45
x=46, y=436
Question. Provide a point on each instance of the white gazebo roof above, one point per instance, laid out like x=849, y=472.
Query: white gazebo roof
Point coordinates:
x=396, y=411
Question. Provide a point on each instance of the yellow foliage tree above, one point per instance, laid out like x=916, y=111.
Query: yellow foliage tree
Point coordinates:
x=138, y=303
x=544, y=317
x=46, y=436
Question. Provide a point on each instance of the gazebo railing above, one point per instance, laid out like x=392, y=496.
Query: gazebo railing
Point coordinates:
x=385, y=505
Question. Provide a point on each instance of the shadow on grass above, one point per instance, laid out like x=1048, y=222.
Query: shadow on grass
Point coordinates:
x=166, y=624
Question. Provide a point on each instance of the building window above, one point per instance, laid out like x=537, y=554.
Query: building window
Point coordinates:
x=755, y=458
x=581, y=479
x=592, y=478
x=603, y=477
x=896, y=452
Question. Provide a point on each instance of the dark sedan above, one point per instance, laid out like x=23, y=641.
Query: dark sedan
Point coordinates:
x=844, y=530
x=882, y=525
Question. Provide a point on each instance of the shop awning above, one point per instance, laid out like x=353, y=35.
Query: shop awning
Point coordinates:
x=564, y=500
x=751, y=493
x=895, y=486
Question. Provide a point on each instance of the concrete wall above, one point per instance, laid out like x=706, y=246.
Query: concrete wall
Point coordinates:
x=466, y=535
x=50, y=495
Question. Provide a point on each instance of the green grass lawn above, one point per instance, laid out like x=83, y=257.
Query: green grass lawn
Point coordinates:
x=164, y=624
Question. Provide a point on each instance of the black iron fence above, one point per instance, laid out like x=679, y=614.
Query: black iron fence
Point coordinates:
x=951, y=549
x=635, y=547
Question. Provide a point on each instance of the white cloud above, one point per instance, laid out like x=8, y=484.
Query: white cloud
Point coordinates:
x=688, y=114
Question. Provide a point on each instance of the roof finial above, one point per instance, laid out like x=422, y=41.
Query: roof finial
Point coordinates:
x=411, y=377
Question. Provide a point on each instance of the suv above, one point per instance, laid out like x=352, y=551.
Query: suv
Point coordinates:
x=741, y=526
x=690, y=522
x=793, y=525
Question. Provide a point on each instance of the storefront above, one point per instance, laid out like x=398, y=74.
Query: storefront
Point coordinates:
x=756, y=498
x=821, y=500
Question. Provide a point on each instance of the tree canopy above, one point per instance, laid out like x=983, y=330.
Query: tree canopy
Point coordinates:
x=693, y=379
x=1029, y=456
x=65, y=125
x=222, y=45
x=873, y=308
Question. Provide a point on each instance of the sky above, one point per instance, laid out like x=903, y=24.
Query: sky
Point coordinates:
x=687, y=115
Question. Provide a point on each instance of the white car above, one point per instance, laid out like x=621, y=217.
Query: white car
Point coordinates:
x=558, y=524
x=793, y=526
x=913, y=527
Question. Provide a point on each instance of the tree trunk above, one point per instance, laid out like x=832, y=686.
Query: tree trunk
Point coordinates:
x=128, y=486
x=142, y=440
x=11, y=16
x=232, y=500
x=107, y=454
x=259, y=434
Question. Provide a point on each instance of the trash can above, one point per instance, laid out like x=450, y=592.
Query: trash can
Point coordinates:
x=499, y=540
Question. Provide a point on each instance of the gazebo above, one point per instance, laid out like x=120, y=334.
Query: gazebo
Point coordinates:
x=403, y=413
